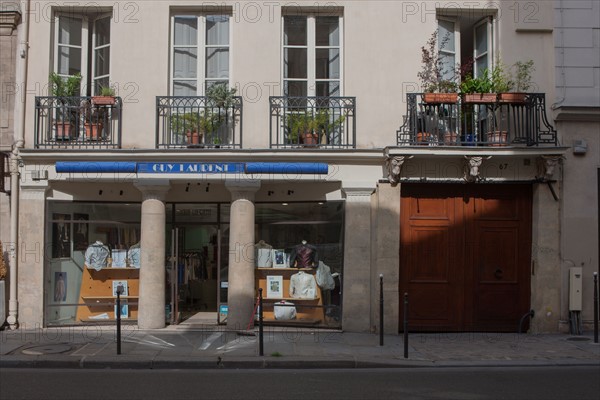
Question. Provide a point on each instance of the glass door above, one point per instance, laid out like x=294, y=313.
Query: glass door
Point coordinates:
x=197, y=266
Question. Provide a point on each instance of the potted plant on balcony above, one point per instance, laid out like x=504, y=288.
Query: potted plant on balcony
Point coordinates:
x=106, y=96
x=66, y=110
x=93, y=120
x=436, y=86
x=478, y=90
x=521, y=83
x=312, y=129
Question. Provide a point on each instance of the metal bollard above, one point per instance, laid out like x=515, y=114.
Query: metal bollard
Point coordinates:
x=260, y=323
x=405, y=325
x=381, y=310
x=118, y=316
x=595, y=307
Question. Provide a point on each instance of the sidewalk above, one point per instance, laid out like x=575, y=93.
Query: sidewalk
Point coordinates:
x=214, y=347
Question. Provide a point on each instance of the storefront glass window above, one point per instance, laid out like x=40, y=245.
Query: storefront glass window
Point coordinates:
x=104, y=235
x=302, y=236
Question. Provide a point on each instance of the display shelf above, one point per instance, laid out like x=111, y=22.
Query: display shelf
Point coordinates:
x=297, y=321
x=289, y=299
x=308, y=311
x=96, y=293
x=108, y=320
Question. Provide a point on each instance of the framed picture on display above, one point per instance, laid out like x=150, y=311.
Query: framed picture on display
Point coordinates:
x=124, y=309
x=115, y=285
x=274, y=286
x=279, y=258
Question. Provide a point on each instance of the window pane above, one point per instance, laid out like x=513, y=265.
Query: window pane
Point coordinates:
x=185, y=63
x=217, y=63
x=480, y=39
x=186, y=31
x=327, y=31
x=69, y=31
x=100, y=83
x=184, y=88
x=295, y=88
x=294, y=31
x=69, y=60
x=217, y=30
x=328, y=63
x=102, y=31
x=480, y=65
x=446, y=35
x=328, y=89
x=295, y=63
x=448, y=63
x=102, y=61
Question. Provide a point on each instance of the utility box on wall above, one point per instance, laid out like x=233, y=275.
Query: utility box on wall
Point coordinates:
x=575, y=288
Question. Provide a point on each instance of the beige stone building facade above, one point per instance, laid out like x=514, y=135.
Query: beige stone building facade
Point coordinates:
x=326, y=151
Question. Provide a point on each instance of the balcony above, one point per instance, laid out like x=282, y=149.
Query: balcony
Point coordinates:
x=197, y=122
x=312, y=122
x=492, y=123
x=77, y=123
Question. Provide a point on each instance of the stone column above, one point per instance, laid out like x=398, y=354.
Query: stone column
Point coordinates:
x=151, y=304
x=357, y=260
x=240, y=298
x=27, y=307
x=386, y=250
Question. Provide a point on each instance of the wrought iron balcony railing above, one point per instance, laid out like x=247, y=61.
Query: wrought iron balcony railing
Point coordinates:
x=197, y=122
x=312, y=122
x=477, y=122
x=77, y=122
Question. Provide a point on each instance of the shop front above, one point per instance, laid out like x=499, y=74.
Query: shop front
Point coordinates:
x=94, y=246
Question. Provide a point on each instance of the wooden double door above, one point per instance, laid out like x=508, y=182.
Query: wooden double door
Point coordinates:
x=465, y=256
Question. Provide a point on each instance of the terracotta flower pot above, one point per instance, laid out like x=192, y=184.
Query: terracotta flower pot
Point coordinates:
x=93, y=131
x=480, y=98
x=512, y=97
x=63, y=130
x=437, y=98
x=450, y=139
x=103, y=100
x=497, y=138
x=423, y=138
x=310, y=138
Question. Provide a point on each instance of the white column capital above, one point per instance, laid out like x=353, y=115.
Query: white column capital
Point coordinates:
x=243, y=190
x=154, y=189
x=358, y=193
x=35, y=191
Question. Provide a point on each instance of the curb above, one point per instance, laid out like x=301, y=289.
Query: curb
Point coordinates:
x=132, y=362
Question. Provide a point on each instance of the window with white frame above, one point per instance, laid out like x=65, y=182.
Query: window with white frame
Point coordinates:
x=466, y=40
x=200, y=53
x=82, y=45
x=312, y=55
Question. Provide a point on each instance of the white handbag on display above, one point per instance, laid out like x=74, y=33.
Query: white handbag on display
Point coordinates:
x=284, y=310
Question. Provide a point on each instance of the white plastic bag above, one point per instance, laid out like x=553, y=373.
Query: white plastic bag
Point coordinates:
x=324, y=278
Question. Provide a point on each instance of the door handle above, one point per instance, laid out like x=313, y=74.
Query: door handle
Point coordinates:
x=498, y=273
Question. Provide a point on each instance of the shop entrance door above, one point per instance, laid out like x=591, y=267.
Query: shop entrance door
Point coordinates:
x=197, y=270
x=465, y=256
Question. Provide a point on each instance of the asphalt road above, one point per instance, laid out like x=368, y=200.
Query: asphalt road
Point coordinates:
x=419, y=383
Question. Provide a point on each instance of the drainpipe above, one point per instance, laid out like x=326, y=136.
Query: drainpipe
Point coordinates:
x=21, y=76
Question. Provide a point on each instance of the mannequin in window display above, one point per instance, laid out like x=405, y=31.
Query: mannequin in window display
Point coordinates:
x=304, y=255
x=96, y=255
x=133, y=256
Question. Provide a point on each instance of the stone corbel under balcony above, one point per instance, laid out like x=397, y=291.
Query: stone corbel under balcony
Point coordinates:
x=9, y=19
